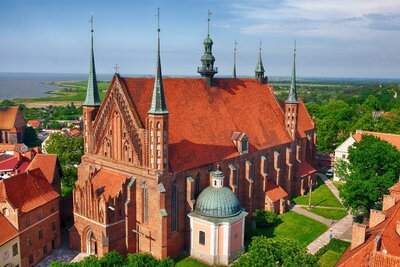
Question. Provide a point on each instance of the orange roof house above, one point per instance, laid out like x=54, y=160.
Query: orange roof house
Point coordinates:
x=33, y=123
x=50, y=166
x=377, y=243
x=8, y=231
x=12, y=125
x=393, y=139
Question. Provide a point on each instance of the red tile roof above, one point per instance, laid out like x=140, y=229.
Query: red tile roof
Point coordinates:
x=393, y=139
x=202, y=120
x=33, y=123
x=9, y=164
x=306, y=169
x=304, y=123
x=8, y=231
x=390, y=240
x=8, y=115
x=27, y=191
x=108, y=183
x=275, y=192
x=47, y=164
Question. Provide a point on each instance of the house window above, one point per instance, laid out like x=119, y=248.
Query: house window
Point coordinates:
x=40, y=214
x=29, y=241
x=15, y=249
x=53, y=226
x=45, y=249
x=145, y=202
x=174, y=206
x=30, y=259
x=343, y=156
x=245, y=146
x=40, y=234
x=202, y=238
x=5, y=212
x=28, y=220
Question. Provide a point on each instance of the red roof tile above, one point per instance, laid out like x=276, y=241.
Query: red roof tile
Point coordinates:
x=27, y=191
x=108, y=183
x=8, y=231
x=275, y=192
x=9, y=164
x=33, y=123
x=304, y=123
x=306, y=169
x=202, y=120
x=393, y=139
x=47, y=164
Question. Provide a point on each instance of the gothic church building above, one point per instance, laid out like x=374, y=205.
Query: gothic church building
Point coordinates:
x=151, y=144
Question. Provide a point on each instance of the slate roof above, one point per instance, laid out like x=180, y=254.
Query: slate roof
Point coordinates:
x=202, y=119
x=8, y=231
x=27, y=191
x=393, y=139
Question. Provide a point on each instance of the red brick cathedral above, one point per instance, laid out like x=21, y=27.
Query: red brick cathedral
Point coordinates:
x=151, y=144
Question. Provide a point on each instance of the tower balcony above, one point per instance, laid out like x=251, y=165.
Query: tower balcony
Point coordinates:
x=207, y=72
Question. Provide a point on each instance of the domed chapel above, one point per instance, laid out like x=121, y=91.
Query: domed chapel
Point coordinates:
x=148, y=180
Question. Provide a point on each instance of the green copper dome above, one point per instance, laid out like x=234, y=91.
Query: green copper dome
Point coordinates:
x=217, y=202
x=208, y=40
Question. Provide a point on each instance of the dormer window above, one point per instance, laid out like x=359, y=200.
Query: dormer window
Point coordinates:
x=241, y=142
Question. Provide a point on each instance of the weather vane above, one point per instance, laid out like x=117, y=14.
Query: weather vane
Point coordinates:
x=209, y=18
x=158, y=19
x=91, y=23
x=235, y=45
x=260, y=44
x=116, y=67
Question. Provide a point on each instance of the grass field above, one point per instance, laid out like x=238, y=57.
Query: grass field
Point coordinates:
x=290, y=225
x=321, y=196
x=334, y=214
x=71, y=92
x=332, y=252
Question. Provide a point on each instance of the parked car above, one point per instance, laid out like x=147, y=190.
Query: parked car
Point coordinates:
x=329, y=173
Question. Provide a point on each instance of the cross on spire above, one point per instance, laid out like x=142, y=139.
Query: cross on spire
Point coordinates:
x=91, y=23
x=209, y=18
x=116, y=67
x=92, y=92
x=158, y=21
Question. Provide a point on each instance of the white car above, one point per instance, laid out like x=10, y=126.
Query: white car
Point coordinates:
x=329, y=173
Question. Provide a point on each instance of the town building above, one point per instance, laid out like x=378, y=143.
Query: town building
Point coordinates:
x=29, y=203
x=51, y=168
x=151, y=144
x=9, y=243
x=341, y=152
x=12, y=125
x=35, y=124
x=377, y=242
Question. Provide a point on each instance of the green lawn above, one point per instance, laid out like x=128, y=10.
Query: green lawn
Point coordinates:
x=190, y=262
x=334, y=214
x=321, y=196
x=332, y=252
x=289, y=225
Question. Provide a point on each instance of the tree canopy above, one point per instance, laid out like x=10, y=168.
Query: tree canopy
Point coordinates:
x=373, y=166
x=264, y=251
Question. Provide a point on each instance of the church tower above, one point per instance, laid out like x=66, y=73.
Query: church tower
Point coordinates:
x=292, y=103
x=92, y=101
x=207, y=69
x=259, y=71
x=157, y=121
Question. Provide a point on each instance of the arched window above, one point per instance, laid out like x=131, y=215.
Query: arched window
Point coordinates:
x=197, y=186
x=145, y=203
x=5, y=212
x=174, y=206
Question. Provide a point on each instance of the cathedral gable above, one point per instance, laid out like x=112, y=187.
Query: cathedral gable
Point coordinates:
x=117, y=127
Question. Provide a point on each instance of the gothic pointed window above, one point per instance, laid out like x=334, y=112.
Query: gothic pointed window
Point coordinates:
x=197, y=186
x=145, y=203
x=174, y=206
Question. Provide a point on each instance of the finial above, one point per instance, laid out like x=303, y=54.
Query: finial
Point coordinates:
x=158, y=21
x=209, y=18
x=235, y=45
x=234, y=61
x=91, y=23
x=260, y=44
x=116, y=67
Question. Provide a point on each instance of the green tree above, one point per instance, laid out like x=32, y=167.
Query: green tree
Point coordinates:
x=69, y=151
x=112, y=259
x=327, y=130
x=373, y=167
x=264, y=251
x=31, y=138
x=372, y=103
x=264, y=218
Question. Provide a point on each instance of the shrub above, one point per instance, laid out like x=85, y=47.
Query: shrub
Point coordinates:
x=264, y=218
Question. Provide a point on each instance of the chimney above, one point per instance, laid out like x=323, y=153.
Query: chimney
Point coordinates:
x=388, y=202
x=376, y=217
x=398, y=227
x=358, y=235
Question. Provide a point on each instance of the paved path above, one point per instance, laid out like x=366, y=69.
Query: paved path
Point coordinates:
x=311, y=215
x=338, y=230
x=62, y=254
x=331, y=186
x=322, y=207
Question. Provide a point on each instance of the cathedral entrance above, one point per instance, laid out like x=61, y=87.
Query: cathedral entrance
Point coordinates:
x=91, y=244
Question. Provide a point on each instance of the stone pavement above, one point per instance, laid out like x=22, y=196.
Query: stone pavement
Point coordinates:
x=298, y=209
x=338, y=230
x=63, y=254
x=331, y=186
x=322, y=207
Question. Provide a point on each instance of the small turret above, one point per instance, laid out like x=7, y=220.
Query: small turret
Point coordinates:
x=259, y=71
x=207, y=69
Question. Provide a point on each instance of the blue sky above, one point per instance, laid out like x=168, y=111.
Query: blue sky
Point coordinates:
x=335, y=38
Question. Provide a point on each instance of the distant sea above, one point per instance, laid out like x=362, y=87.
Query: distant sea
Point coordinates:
x=30, y=85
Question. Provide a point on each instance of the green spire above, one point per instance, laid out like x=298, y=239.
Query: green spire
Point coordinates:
x=259, y=67
x=92, y=93
x=158, y=106
x=292, y=98
x=234, y=61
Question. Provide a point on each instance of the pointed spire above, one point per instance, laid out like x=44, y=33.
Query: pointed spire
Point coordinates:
x=234, y=61
x=259, y=67
x=207, y=69
x=158, y=105
x=292, y=98
x=92, y=93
